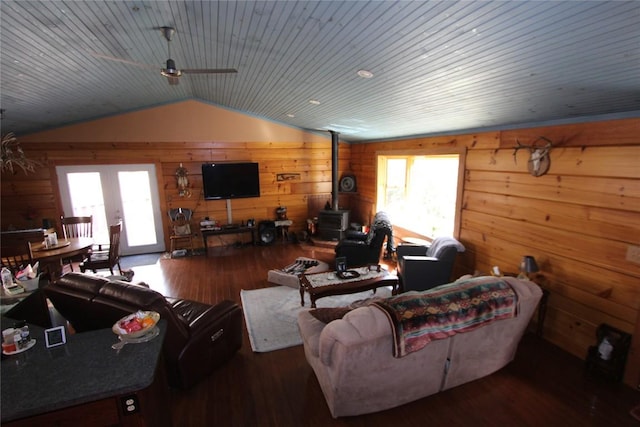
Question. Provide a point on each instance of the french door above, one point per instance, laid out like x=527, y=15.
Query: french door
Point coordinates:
x=114, y=193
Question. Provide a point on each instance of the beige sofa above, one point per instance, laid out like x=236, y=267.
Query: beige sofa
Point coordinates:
x=353, y=357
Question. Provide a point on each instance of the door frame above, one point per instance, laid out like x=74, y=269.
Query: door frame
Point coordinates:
x=161, y=201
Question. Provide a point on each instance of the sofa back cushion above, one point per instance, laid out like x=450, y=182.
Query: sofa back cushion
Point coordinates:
x=134, y=295
x=71, y=295
x=116, y=299
x=82, y=283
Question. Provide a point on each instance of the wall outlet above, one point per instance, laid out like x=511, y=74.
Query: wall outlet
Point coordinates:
x=633, y=254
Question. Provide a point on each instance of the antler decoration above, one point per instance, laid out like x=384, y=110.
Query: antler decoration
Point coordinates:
x=539, y=160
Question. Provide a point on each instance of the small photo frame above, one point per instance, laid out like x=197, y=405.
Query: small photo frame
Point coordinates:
x=54, y=337
x=341, y=264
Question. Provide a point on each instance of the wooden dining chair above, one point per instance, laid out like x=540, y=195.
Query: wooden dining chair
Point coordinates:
x=105, y=258
x=15, y=247
x=76, y=226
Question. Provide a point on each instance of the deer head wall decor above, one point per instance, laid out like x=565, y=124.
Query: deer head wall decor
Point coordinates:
x=539, y=160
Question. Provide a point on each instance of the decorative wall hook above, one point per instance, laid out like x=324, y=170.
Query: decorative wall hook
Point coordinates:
x=183, y=181
x=539, y=160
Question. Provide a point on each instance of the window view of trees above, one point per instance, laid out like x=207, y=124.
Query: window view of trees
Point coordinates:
x=420, y=192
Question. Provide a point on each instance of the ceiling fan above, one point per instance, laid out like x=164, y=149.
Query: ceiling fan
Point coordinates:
x=171, y=72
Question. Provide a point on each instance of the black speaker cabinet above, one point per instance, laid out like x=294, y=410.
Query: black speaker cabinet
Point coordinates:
x=266, y=232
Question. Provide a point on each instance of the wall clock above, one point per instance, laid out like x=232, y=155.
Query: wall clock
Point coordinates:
x=348, y=184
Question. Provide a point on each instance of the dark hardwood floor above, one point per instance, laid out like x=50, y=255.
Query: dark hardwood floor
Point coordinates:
x=543, y=386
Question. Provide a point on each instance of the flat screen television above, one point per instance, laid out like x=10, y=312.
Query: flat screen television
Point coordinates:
x=230, y=180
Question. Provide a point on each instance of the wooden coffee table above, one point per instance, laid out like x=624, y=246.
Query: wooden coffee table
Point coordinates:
x=321, y=285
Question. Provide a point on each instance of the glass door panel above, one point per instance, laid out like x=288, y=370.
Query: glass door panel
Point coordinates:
x=85, y=191
x=113, y=193
x=135, y=193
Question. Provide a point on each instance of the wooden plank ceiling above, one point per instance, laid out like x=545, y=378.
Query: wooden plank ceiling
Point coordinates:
x=438, y=66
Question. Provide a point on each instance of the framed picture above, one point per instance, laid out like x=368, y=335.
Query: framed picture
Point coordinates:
x=54, y=337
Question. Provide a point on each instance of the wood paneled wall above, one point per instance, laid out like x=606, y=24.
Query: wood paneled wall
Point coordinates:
x=578, y=220
x=37, y=194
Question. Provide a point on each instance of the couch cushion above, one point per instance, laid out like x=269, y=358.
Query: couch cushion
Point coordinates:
x=131, y=293
x=417, y=318
x=329, y=314
x=82, y=282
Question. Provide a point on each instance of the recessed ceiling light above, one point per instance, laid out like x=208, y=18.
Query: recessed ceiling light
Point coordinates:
x=291, y=115
x=314, y=102
x=365, y=74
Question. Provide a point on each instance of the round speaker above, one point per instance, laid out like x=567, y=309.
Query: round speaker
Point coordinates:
x=266, y=232
x=267, y=237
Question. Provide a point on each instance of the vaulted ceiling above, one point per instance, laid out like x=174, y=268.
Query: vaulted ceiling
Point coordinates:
x=437, y=66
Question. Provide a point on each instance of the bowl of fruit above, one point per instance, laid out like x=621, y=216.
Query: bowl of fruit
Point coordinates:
x=136, y=325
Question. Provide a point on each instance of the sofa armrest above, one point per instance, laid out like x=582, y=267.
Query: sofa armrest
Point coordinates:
x=310, y=330
x=215, y=336
x=351, y=244
x=364, y=324
x=356, y=235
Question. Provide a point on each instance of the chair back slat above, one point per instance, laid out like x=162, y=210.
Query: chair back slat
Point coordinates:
x=114, y=244
x=77, y=226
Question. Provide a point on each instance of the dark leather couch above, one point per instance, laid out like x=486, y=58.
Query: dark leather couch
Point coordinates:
x=200, y=337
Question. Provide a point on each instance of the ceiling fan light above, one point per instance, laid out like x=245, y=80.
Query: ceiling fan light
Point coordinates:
x=171, y=70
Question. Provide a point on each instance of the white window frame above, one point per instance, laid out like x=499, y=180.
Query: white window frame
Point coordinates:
x=383, y=156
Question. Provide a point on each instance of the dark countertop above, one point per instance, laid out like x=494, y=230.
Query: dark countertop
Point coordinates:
x=83, y=370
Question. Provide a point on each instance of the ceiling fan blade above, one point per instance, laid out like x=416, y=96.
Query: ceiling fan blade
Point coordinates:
x=124, y=61
x=209, y=70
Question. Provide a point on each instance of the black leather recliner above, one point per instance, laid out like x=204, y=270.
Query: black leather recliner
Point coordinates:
x=199, y=338
x=424, y=267
x=365, y=248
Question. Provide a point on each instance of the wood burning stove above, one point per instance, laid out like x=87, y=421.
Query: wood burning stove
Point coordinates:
x=333, y=224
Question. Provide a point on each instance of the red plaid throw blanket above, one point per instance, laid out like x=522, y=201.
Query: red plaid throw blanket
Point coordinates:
x=419, y=317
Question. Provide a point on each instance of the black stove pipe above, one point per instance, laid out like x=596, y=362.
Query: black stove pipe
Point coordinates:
x=334, y=170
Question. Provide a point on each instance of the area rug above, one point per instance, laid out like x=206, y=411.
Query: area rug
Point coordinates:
x=271, y=314
x=130, y=261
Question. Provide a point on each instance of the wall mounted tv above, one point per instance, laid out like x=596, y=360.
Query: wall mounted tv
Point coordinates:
x=230, y=180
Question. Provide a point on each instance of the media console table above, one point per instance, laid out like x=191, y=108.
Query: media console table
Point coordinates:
x=206, y=232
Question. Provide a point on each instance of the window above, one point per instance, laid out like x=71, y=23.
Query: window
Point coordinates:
x=422, y=192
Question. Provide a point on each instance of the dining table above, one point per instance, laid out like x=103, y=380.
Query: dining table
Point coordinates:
x=50, y=257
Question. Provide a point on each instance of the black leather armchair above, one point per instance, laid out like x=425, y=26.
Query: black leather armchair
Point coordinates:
x=424, y=267
x=365, y=248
